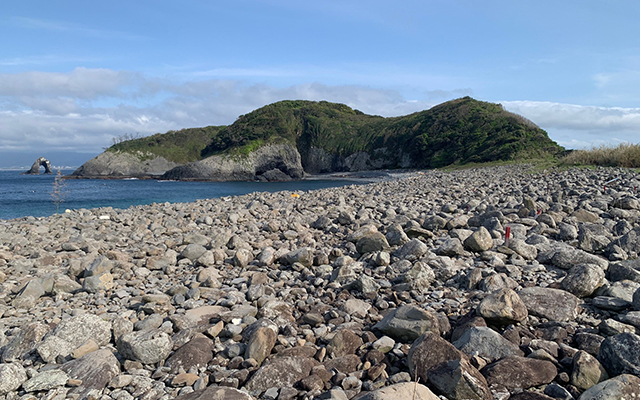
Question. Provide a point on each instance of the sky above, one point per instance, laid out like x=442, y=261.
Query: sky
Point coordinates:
x=74, y=75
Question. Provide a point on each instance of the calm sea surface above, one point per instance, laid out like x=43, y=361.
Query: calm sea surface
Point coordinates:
x=30, y=195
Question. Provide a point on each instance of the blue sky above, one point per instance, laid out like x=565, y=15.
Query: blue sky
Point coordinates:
x=75, y=74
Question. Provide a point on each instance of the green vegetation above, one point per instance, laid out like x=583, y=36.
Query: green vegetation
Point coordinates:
x=181, y=146
x=624, y=155
x=456, y=132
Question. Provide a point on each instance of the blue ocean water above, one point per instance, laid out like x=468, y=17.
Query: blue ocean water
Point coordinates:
x=30, y=195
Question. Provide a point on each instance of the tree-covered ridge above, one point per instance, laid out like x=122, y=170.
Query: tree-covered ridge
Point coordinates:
x=456, y=132
x=181, y=146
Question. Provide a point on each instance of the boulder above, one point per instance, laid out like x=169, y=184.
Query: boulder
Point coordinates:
x=12, y=376
x=428, y=351
x=344, y=343
x=502, y=307
x=24, y=341
x=260, y=344
x=487, y=343
x=196, y=353
x=479, y=240
x=216, y=393
x=148, y=347
x=73, y=332
x=620, y=354
x=516, y=372
x=46, y=380
x=624, y=386
x=94, y=370
x=400, y=391
x=412, y=250
x=587, y=371
x=553, y=304
x=583, y=279
x=459, y=380
x=407, y=323
x=280, y=372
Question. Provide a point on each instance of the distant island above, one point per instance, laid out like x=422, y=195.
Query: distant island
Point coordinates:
x=288, y=139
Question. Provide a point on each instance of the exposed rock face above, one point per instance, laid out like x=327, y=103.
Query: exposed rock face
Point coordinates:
x=111, y=164
x=40, y=162
x=272, y=162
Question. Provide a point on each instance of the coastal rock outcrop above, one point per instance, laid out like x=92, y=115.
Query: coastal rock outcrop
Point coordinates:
x=275, y=162
x=40, y=162
x=120, y=165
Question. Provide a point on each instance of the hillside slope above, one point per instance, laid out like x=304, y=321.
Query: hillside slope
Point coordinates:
x=331, y=137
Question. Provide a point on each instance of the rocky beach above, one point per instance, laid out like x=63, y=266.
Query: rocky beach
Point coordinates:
x=488, y=283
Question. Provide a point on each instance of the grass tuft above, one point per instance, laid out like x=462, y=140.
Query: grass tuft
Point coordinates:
x=625, y=155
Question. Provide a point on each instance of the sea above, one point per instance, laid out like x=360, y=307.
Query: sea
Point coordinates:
x=35, y=195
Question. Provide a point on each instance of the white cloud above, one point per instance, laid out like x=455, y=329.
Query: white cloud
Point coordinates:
x=577, y=126
x=83, y=109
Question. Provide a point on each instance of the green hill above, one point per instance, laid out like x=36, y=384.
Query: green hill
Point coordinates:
x=459, y=131
x=329, y=137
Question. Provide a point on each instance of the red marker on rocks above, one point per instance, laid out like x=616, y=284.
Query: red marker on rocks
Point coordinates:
x=507, y=234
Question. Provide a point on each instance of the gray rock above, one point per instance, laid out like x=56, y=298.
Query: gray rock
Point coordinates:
x=412, y=250
x=24, y=341
x=302, y=255
x=419, y=277
x=280, y=372
x=458, y=380
x=553, y=304
x=395, y=236
x=11, y=377
x=450, y=247
x=193, y=251
x=487, y=343
x=148, y=347
x=620, y=387
x=407, y=323
x=583, y=280
x=46, y=380
x=622, y=290
x=527, y=251
x=73, y=332
x=479, y=240
x=636, y=300
x=620, y=354
x=400, y=391
x=624, y=270
x=502, y=307
x=96, y=283
x=195, y=353
x=372, y=242
x=568, y=257
x=428, y=351
x=94, y=370
x=216, y=393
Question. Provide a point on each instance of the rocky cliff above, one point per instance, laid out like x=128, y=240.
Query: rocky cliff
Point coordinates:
x=111, y=164
x=269, y=163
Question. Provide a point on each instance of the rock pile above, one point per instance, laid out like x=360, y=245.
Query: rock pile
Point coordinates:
x=403, y=289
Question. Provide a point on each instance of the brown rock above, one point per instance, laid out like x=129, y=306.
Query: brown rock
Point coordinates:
x=516, y=372
x=343, y=343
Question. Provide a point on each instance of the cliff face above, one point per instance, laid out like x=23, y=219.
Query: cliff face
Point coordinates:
x=270, y=163
x=110, y=164
x=283, y=140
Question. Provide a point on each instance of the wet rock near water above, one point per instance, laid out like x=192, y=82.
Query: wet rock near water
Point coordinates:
x=405, y=288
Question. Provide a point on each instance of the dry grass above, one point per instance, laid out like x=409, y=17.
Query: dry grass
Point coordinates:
x=624, y=155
